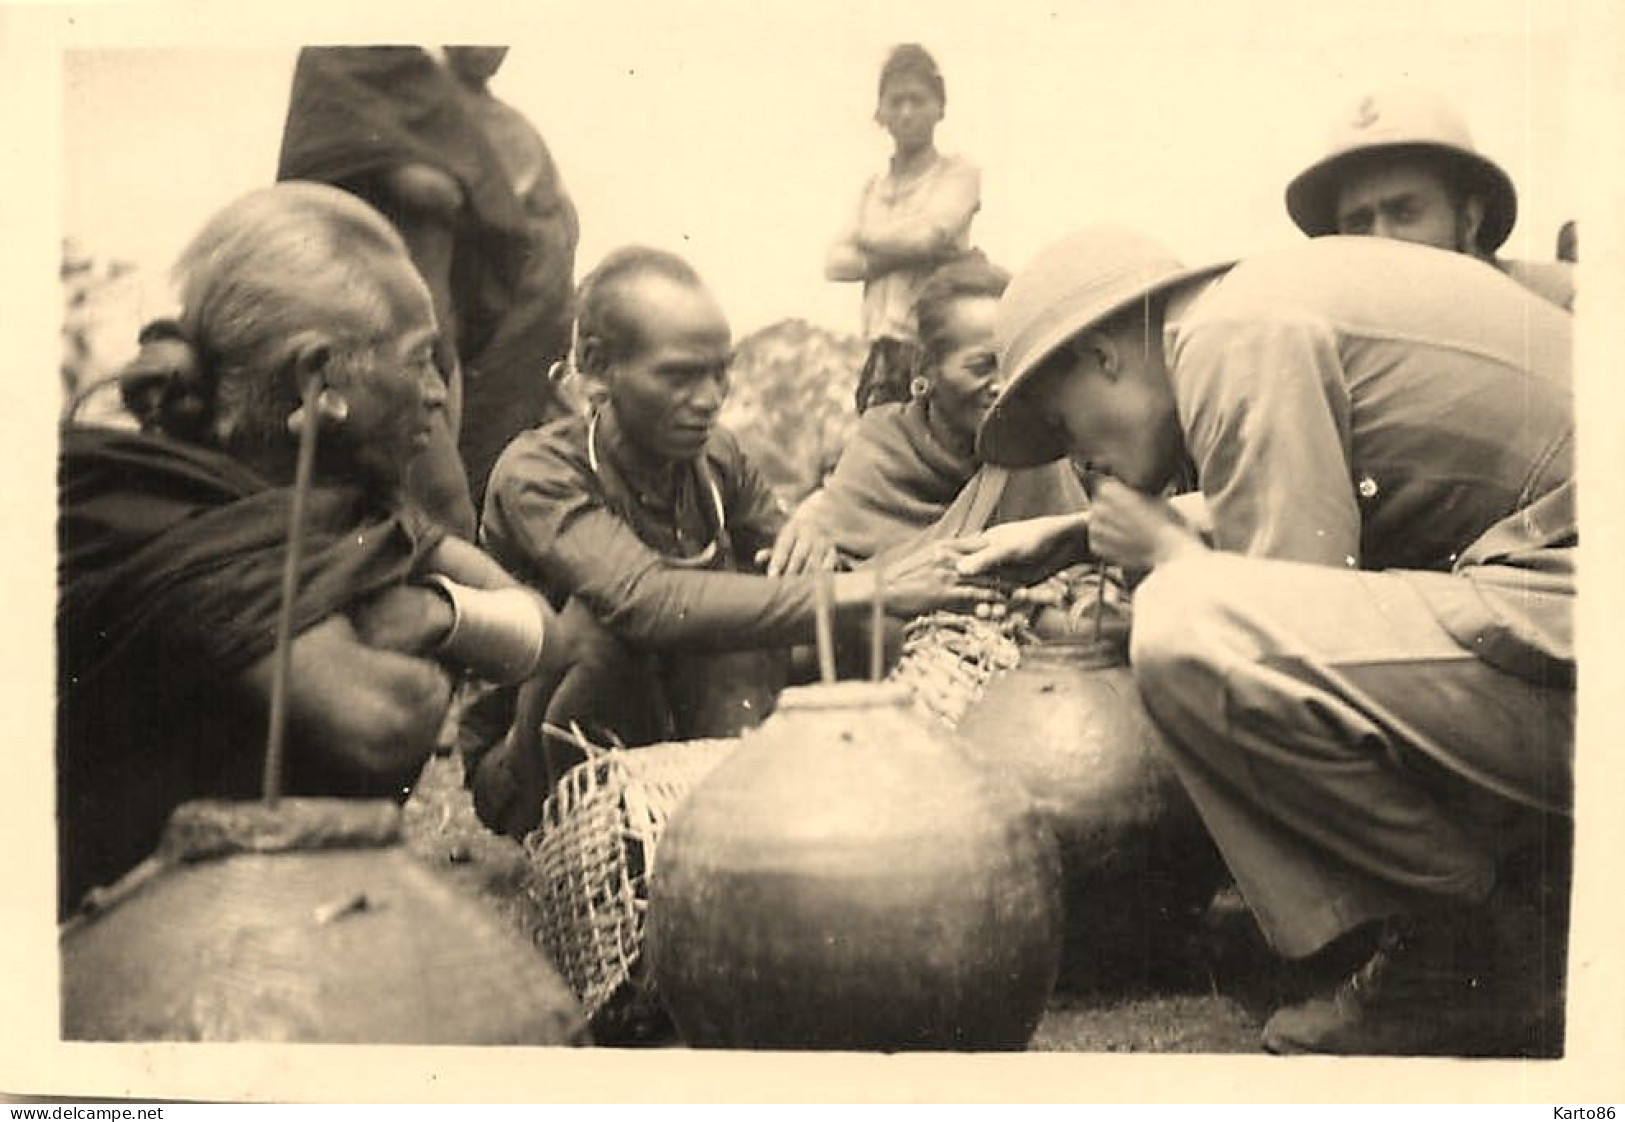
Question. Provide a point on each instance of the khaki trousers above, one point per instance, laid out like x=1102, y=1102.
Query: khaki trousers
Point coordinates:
x=1350, y=759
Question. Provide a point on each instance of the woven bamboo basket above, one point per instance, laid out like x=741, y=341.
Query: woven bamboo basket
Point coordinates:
x=590, y=862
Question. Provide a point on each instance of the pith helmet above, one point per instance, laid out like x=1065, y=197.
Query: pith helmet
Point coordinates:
x=1398, y=119
x=1073, y=285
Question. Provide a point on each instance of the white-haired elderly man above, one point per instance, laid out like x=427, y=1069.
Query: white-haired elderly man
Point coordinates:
x=173, y=540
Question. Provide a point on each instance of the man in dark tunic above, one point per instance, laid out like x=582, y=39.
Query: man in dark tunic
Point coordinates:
x=648, y=528
x=1367, y=683
x=474, y=191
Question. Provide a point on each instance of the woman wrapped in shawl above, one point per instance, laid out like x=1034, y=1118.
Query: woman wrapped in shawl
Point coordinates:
x=300, y=307
x=909, y=473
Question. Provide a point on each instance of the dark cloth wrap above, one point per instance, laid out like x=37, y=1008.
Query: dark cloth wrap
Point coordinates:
x=169, y=574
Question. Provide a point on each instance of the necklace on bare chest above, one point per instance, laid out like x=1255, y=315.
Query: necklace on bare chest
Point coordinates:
x=708, y=486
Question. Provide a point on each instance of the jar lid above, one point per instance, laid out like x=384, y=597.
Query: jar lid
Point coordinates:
x=1081, y=650
x=218, y=828
x=846, y=695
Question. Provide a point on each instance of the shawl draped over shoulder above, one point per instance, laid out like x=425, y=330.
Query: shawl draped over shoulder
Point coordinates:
x=897, y=487
x=169, y=581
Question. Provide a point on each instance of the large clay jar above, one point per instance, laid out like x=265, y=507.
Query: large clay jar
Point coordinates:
x=848, y=879
x=306, y=923
x=1138, y=868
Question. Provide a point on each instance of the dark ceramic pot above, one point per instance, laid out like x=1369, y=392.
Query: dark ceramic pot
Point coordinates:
x=1138, y=868
x=848, y=879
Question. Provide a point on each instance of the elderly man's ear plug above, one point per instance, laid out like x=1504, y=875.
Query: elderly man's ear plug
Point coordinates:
x=331, y=409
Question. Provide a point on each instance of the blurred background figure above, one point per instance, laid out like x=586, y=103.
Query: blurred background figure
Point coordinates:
x=911, y=218
x=473, y=189
x=98, y=319
x=1568, y=242
x=1400, y=163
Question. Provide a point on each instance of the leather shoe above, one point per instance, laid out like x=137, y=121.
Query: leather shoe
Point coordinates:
x=1424, y=991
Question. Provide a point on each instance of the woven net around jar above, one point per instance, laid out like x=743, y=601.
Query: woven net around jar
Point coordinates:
x=949, y=657
x=589, y=871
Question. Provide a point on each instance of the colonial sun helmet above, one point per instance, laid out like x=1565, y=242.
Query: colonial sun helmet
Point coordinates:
x=1074, y=284
x=1402, y=118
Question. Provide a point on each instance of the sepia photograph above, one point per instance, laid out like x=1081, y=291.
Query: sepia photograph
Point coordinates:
x=814, y=551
